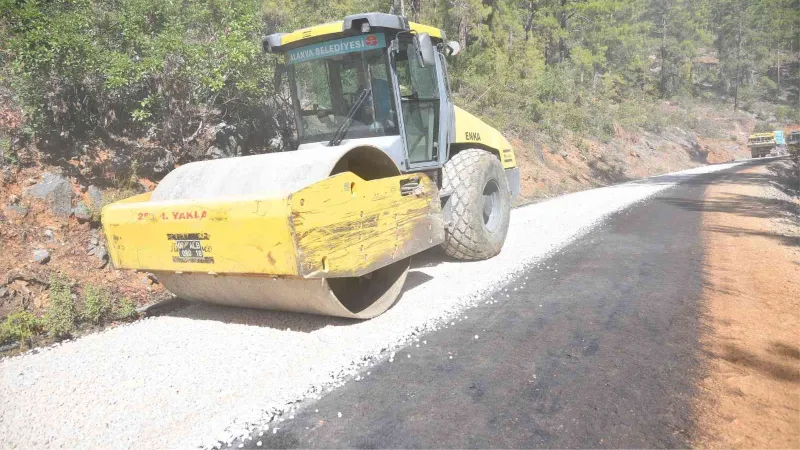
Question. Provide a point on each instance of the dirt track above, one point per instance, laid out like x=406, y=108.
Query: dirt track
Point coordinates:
x=750, y=397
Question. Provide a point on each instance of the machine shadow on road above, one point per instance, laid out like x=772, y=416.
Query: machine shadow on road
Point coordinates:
x=262, y=318
x=430, y=258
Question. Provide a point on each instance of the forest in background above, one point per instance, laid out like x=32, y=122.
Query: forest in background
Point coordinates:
x=170, y=81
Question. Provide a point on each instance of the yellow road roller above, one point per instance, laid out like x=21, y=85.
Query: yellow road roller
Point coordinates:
x=387, y=167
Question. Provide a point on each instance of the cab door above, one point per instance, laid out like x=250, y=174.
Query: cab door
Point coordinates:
x=423, y=110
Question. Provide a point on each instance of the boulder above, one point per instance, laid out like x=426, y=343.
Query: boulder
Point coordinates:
x=56, y=191
x=226, y=142
x=95, y=197
x=155, y=162
x=15, y=212
x=164, y=163
x=82, y=212
x=41, y=256
x=121, y=162
x=6, y=176
x=215, y=152
x=101, y=254
x=98, y=250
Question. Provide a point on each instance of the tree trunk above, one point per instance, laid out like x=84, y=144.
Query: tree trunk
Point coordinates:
x=662, y=83
x=738, y=64
x=415, y=10
x=529, y=23
x=462, y=32
x=562, y=23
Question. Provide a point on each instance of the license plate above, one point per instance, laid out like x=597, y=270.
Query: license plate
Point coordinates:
x=189, y=249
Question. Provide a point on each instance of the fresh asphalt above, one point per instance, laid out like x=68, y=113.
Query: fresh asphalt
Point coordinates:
x=595, y=347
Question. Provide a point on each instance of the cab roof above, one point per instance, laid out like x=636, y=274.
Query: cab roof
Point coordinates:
x=351, y=25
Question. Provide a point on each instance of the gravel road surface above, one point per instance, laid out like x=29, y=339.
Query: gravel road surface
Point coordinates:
x=595, y=347
x=204, y=375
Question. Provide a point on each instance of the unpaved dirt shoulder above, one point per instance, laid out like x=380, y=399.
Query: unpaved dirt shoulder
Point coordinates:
x=750, y=397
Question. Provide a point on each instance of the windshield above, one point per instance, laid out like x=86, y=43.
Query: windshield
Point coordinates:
x=328, y=79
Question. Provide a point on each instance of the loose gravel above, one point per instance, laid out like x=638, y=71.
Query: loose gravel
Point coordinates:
x=204, y=375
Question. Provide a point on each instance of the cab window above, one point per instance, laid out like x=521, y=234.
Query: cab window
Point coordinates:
x=326, y=89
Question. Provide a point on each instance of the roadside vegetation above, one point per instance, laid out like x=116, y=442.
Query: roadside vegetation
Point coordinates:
x=168, y=80
x=65, y=316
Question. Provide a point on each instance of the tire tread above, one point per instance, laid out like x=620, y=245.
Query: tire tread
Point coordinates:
x=462, y=241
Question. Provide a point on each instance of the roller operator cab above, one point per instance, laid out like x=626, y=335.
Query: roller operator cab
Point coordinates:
x=377, y=79
x=387, y=167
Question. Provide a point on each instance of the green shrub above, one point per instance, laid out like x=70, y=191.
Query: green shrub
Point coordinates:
x=136, y=68
x=61, y=314
x=763, y=127
x=116, y=194
x=20, y=326
x=768, y=86
x=787, y=114
x=111, y=195
x=637, y=114
x=125, y=310
x=7, y=156
x=96, y=305
x=581, y=145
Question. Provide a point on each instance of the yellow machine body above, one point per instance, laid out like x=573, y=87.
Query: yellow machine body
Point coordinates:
x=325, y=231
x=342, y=226
x=473, y=132
x=761, y=139
x=334, y=28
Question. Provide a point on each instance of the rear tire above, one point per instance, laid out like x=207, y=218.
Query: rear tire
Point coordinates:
x=479, y=205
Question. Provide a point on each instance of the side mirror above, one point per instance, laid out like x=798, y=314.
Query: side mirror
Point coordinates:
x=452, y=48
x=423, y=47
x=271, y=42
